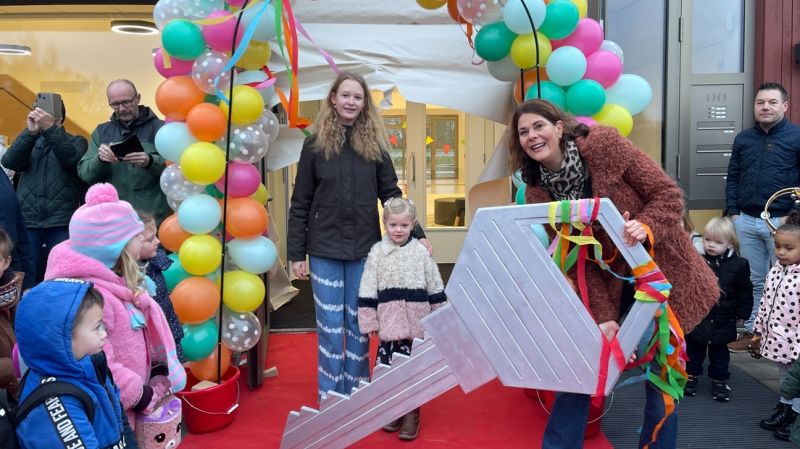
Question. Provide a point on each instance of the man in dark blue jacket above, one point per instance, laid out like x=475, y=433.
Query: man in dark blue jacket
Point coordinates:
x=46, y=158
x=765, y=159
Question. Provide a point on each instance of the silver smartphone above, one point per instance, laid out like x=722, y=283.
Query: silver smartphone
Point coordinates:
x=50, y=103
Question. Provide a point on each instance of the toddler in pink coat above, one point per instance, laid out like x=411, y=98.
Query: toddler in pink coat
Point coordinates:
x=105, y=237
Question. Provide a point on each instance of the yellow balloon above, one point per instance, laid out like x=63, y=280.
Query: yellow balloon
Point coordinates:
x=261, y=195
x=431, y=4
x=255, y=57
x=582, y=7
x=247, y=105
x=615, y=116
x=523, y=50
x=243, y=291
x=202, y=163
x=200, y=254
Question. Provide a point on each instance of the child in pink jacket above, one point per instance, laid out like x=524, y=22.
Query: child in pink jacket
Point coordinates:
x=105, y=236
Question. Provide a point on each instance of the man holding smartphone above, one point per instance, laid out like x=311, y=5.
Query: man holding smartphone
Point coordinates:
x=136, y=174
x=49, y=190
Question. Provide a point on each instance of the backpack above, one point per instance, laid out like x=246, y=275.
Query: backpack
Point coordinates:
x=11, y=413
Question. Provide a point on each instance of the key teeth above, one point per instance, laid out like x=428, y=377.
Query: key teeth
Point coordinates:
x=298, y=418
x=330, y=400
x=362, y=384
x=399, y=359
x=379, y=371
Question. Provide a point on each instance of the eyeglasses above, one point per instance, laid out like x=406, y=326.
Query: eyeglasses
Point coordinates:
x=123, y=103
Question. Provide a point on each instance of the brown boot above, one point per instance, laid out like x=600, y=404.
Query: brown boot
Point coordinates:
x=393, y=426
x=410, y=427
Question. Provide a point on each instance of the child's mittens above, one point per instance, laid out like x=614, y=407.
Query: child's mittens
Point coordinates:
x=160, y=384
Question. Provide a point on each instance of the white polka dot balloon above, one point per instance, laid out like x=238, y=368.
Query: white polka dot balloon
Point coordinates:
x=249, y=143
x=207, y=67
x=240, y=331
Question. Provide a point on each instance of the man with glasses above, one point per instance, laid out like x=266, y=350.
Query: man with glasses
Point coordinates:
x=46, y=156
x=135, y=175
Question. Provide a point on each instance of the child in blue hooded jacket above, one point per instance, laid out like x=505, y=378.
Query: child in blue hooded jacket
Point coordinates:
x=60, y=333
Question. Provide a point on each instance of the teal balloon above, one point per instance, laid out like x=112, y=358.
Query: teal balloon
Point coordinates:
x=199, y=214
x=560, y=20
x=212, y=190
x=541, y=234
x=172, y=138
x=586, y=97
x=566, y=65
x=256, y=255
x=183, y=39
x=199, y=340
x=551, y=92
x=493, y=41
x=175, y=273
x=520, y=196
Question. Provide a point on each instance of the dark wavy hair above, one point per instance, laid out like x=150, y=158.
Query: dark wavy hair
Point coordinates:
x=792, y=223
x=517, y=158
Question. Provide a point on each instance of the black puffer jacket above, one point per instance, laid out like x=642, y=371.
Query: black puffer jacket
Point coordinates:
x=49, y=189
x=761, y=164
x=736, y=300
x=334, y=210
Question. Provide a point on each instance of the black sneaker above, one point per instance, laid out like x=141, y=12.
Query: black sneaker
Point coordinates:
x=690, y=389
x=720, y=391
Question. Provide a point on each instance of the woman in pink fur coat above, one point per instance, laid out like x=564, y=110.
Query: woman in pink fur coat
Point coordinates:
x=105, y=236
x=563, y=160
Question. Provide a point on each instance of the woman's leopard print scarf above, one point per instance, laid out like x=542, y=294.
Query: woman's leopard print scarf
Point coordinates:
x=567, y=183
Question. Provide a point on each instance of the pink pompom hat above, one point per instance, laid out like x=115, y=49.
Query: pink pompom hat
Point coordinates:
x=103, y=226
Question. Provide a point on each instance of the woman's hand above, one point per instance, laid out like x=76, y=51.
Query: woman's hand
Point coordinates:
x=427, y=246
x=300, y=269
x=609, y=329
x=633, y=232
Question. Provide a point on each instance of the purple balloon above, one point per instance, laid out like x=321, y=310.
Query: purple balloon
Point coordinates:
x=243, y=180
x=176, y=66
x=604, y=67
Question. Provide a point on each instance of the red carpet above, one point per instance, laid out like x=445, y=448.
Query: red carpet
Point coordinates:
x=490, y=417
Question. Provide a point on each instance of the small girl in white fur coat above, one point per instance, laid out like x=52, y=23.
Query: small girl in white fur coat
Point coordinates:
x=400, y=285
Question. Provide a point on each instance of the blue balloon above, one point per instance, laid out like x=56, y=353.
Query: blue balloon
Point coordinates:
x=631, y=92
x=171, y=139
x=199, y=214
x=566, y=65
x=256, y=255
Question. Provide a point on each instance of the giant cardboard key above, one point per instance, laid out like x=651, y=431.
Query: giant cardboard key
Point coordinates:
x=511, y=315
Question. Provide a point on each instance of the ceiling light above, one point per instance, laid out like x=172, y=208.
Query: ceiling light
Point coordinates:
x=11, y=49
x=133, y=27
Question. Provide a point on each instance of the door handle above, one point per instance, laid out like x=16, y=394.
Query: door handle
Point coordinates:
x=414, y=168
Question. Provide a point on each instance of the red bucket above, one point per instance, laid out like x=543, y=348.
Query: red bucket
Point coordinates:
x=546, y=398
x=212, y=408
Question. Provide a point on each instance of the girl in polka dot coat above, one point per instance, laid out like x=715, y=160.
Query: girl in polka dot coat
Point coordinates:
x=777, y=324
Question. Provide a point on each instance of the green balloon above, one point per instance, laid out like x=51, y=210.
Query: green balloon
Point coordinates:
x=551, y=92
x=199, y=340
x=175, y=273
x=585, y=97
x=183, y=39
x=493, y=41
x=519, y=198
x=561, y=19
x=212, y=190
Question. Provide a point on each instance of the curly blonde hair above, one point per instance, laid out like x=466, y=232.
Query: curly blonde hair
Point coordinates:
x=370, y=140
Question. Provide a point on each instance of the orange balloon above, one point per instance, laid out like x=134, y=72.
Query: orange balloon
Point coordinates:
x=206, y=369
x=530, y=80
x=452, y=9
x=172, y=234
x=245, y=218
x=207, y=122
x=195, y=299
x=177, y=95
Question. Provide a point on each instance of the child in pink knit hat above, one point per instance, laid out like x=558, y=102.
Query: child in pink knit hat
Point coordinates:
x=105, y=237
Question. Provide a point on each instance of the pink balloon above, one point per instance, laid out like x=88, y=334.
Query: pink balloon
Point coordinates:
x=236, y=3
x=604, y=67
x=176, y=66
x=243, y=180
x=588, y=121
x=219, y=36
x=587, y=37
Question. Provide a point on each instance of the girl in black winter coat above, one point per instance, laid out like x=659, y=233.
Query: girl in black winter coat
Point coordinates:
x=718, y=328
